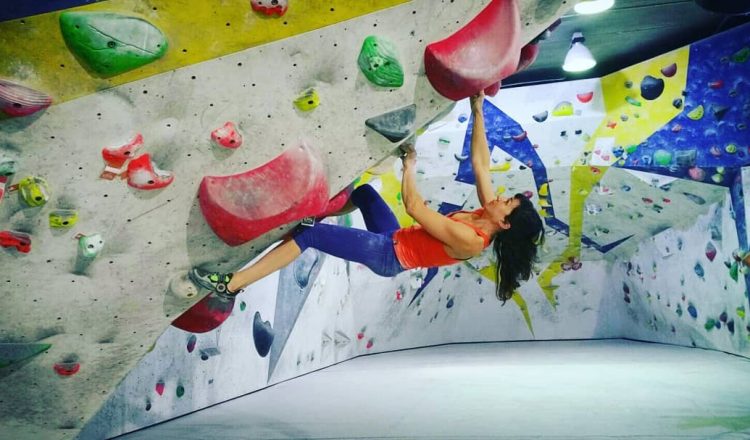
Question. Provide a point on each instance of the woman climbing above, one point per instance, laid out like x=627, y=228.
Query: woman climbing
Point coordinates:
x=512, y=225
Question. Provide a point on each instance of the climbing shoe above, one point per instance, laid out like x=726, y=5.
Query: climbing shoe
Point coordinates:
x=214, y=281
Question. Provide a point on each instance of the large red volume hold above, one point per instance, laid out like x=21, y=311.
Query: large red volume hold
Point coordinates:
x=478, y=55
x=245, y=206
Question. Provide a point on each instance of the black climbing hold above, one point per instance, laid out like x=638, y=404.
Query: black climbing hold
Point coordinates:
x=396, y=125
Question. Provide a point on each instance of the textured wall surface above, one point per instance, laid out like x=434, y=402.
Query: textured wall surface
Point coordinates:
x=224, y=63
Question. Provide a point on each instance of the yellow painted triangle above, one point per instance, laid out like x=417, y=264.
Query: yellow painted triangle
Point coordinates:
x=32, y=50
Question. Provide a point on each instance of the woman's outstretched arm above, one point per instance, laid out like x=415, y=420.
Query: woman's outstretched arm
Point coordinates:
x=480, y=153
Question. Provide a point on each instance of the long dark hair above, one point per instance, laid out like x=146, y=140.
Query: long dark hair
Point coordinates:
x=516, y=248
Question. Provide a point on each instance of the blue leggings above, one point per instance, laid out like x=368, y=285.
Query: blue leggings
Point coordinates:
x=373, y=247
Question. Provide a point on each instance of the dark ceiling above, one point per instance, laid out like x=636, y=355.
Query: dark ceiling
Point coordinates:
x=631, y=32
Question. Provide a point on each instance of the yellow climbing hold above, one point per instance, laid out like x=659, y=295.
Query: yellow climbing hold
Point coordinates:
x=500, y=168
x=544, y=189
x=696, y=113
x=564, y=108
x=544, y=203
x=307, y=100
x=500, y=190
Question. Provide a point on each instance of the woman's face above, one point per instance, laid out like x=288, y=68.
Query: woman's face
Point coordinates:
x=500, y=208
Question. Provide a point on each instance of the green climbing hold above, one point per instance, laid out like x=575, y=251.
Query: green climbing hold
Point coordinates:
x=243, y=305
x=307, y=100
x=180, y=391
x=741, y=312
x=632, y=101
x=741, y=55
x=7, y=167
x=710, y=324
x=110, y=44
x=631, y=148
x=63, y=218
x=34, y=191
x=89, y=246
x=662, y=157
x=696, y=113
x=731, y=148
x=377, y=61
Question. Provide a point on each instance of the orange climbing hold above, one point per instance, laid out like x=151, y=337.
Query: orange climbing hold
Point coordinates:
x=479, y=55
x=244, y=206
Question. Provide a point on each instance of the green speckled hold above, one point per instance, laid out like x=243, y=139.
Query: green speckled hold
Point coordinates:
x=377, y=61
x=110, y=44
x=662, y=157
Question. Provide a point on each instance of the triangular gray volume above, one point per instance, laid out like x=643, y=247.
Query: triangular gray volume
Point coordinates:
x=395, y=125
x=295, y=283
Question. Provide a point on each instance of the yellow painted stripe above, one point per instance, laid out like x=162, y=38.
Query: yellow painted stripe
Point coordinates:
x=33, y=52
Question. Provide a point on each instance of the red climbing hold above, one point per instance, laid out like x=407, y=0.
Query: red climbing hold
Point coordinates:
x=585, y=97
x=205, y=315
x=116, y=157
x=67, y=368
x=478, y=55
x=716, y=84
x=244, y=206
x=227, y=136
x=270, y=7
x=17, y=100
x=493, y=89
x=143, y=174
x=528, y=56
x=18, y=240
x=337, y=202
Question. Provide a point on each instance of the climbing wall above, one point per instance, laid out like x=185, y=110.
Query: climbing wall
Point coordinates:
x=646, y=253
x=100, y=217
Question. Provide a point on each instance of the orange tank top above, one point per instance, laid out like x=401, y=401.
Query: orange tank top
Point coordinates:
x=416, y=248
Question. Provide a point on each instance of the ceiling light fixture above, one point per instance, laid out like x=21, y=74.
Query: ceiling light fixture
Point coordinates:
x=579, y=57
x=587, y=7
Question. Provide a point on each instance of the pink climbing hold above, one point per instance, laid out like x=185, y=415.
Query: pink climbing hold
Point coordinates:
x=710, y=251
x=670, y=70
x=585, y=97
x=17, y=100
x=143, y=174
x=159, y=388
x=244, y=206
x=270, y=7
x=477, y=56
x=227, y=136
x=116, y=157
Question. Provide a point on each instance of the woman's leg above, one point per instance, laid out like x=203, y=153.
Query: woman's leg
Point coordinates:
x=279, y=257
x=377, y=214
x=371, y=249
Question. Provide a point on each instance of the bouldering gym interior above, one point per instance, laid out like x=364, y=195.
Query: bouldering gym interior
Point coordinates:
x=142, y=139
